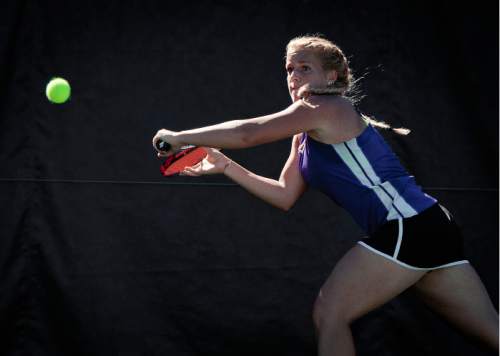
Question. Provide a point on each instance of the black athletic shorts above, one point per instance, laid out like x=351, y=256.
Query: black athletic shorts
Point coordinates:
x=426, y=241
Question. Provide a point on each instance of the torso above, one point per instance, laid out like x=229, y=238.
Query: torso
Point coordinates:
x=350, y=162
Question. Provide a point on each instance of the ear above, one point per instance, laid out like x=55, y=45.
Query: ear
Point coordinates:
x=332, y=75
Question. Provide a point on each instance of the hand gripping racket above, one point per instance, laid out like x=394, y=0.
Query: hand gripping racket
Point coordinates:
x=187, y=156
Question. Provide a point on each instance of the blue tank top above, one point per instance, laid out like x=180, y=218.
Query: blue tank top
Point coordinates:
x=363, y=176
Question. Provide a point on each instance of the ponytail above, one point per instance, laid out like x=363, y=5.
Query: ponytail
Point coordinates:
x=383, y=125
x=307, y=91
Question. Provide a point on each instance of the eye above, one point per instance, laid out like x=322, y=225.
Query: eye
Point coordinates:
x=305, y=68
x=289, y=70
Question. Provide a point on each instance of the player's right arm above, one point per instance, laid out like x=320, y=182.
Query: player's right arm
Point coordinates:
x=281, y=193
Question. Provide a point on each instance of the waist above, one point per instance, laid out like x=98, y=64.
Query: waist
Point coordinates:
x=373, y=205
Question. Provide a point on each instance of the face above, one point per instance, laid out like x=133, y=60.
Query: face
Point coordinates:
x=303, y=67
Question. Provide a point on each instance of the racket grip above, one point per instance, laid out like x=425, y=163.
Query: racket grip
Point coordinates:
x=163, y=146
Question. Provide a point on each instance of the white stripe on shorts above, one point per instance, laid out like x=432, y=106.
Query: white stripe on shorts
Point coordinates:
x=407, y=265
x=400, y=238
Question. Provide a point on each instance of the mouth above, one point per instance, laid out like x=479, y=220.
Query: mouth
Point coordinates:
x=294, y=94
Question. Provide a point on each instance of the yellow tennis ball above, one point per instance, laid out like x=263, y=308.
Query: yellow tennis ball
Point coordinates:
x=58, y=90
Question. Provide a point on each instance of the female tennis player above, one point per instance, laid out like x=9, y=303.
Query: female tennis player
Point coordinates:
x=413, y=240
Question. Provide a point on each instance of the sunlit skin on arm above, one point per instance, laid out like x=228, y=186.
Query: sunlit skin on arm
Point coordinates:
x=298, y=117
x=282, y=193
x=302, y=69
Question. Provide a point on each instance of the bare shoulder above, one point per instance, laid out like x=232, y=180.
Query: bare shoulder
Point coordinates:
x=341, y=120
x=330, y=105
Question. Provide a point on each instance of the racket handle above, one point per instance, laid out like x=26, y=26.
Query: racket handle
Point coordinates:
x=163, y=146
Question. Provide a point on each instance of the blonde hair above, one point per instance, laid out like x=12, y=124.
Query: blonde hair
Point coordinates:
x=332, y=58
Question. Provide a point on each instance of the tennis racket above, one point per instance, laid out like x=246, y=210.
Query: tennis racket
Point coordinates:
x=187, y=156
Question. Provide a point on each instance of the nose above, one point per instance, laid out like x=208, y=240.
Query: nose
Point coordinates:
x=294, y=79
x=294, y=75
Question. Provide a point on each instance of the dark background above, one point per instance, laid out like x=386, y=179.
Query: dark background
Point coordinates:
x=100, y=255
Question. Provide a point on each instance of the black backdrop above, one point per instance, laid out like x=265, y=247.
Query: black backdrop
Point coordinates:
x=100, y=255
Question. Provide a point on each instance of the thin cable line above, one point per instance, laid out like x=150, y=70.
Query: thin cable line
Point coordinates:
x=207, y=269
x=461, y=189
x=110, y=181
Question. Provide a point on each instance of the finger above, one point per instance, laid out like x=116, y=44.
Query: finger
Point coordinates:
x=198, y=171
x=156, y=138
x=196, y=166
x=190, y=172
x=185, y=173
x=212, y=149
